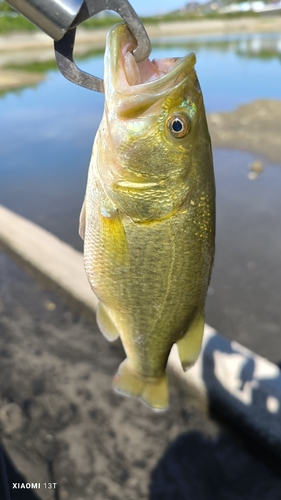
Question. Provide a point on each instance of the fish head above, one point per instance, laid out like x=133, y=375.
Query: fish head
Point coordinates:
x=154, y=131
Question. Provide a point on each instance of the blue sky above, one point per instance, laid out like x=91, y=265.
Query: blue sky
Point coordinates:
x=150, y=7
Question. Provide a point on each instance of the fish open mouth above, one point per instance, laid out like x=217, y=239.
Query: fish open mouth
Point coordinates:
x=123, y=73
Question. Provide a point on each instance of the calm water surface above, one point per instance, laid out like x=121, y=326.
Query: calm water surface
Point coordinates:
x=46, y=140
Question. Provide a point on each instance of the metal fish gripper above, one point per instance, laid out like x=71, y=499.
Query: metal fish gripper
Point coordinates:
x=65, y=46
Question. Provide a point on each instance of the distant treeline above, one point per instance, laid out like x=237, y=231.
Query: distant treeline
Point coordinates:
x=10, y=20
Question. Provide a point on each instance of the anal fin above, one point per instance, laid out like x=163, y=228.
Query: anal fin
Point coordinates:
x=152, y=391
x=106, y=326
x=189, y=346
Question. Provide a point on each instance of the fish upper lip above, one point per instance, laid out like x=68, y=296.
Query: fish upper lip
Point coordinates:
x=185, y=66
x=119, y=38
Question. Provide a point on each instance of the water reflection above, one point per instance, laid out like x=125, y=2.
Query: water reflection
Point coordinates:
x=250, y=44
x=260, y=46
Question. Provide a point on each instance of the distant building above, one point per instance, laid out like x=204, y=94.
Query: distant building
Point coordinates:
x=190, y=7
x=258, y=6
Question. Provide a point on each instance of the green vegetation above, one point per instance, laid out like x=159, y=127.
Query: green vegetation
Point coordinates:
x=20, y=23
x=101, y=22
x=10, y=23
x=231, y=15
x=105, y=22
x=10, y=20
x=35, y=67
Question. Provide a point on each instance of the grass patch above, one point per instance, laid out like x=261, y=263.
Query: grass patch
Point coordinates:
x=36, y=67
x=19, y=23
x=101, y=22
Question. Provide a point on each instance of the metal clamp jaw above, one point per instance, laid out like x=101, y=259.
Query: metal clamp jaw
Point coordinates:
x=64, y=47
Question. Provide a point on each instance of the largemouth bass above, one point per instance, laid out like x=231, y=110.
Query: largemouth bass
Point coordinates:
x=148, y=218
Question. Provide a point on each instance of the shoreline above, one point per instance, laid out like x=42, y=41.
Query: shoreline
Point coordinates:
x=29, y=47
x=37, y=39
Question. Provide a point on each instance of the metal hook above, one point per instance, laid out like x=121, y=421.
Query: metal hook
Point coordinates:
x=64, y=47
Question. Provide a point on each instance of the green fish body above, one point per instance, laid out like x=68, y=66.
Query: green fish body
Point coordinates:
x=148, y=219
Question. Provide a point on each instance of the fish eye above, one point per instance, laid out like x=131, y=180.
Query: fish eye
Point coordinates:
x=178, y=125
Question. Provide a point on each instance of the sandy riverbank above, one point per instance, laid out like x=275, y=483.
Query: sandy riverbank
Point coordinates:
x=24, y=48
x=254, y=127
x=11, y=79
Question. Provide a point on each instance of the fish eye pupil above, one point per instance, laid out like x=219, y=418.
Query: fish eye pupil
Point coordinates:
x=177, y=125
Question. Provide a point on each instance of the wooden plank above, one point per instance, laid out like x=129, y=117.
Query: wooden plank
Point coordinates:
x=49, y=259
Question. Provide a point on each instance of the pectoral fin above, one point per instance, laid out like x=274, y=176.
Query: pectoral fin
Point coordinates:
x=82, y=221
x=106, y=326
x=189, y=346
x=114, y=238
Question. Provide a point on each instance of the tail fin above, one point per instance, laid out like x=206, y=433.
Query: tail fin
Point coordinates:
x=154, y=392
